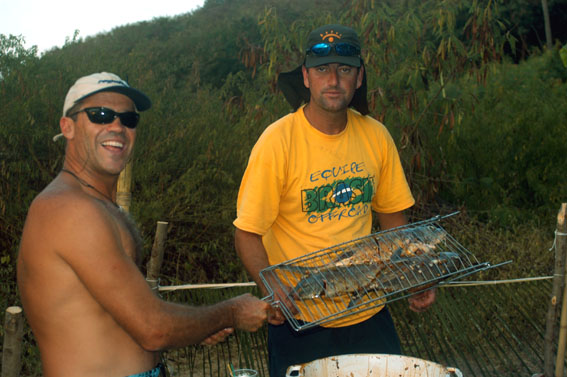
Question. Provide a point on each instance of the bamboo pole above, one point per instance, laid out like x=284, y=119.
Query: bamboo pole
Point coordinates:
x=199, y=286
x=154, y=264
x=13, y=336
x=553, y=310
x=124, y=188
x=561, y=244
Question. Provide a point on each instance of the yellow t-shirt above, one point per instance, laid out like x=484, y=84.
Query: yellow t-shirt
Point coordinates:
x=304, y=190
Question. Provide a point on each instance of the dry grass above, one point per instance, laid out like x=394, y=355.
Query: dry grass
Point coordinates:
x=241, y=350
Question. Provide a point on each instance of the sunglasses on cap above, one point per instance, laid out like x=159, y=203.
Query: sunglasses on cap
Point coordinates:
x=102, y=115
x=341, y=49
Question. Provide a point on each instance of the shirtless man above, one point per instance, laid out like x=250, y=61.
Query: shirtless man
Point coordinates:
x=88, y=305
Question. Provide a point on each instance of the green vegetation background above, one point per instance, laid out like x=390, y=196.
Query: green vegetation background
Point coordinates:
x=475, y=103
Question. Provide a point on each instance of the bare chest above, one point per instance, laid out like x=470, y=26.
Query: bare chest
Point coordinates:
x=129, y=234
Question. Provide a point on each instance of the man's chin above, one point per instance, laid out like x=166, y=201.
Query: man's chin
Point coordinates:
x=113, y=169
x=334, y=106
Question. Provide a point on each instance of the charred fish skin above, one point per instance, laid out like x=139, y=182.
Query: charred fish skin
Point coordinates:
x=357, y=280
x=418, y=271
x=335, y=281
x=381, y=249
x=309, y=287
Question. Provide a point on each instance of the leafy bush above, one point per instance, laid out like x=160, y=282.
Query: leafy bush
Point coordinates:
x=506, y=157
x=436, y=79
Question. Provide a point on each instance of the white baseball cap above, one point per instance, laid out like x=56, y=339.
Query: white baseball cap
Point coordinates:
x=103, y=82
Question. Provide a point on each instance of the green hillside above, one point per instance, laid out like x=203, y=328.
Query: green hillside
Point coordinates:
x=475, y=130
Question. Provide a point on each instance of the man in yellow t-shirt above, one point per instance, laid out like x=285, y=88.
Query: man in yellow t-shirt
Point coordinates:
x=313, y=180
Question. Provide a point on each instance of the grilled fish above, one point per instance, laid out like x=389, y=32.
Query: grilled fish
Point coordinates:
x=357, y=279
x=335, y=281
x=419, y=241
x=419, y=270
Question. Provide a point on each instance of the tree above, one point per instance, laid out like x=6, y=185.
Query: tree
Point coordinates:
x=547, y=24
x=13, y=53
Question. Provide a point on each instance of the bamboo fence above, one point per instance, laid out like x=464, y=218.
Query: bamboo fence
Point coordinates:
x=484, y=330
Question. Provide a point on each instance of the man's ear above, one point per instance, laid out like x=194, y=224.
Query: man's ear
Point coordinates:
x=67, y=126
x=305, y=79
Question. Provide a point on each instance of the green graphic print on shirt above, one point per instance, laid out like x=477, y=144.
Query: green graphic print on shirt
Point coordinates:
x=338, y=193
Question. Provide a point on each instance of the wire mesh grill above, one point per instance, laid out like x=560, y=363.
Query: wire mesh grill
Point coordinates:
x=363, y=274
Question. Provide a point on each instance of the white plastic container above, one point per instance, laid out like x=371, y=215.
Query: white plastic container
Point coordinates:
x=371, y=365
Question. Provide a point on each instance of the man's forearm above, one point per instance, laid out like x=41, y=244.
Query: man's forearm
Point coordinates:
x=251, y=251
x=177, y=325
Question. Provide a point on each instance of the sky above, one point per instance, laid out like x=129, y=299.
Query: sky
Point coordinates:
x=47, y=23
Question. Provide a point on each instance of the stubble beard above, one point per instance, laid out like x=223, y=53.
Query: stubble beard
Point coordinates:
x=332, y=106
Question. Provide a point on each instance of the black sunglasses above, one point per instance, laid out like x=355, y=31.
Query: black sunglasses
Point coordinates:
x=102, y=115
x=341, y=49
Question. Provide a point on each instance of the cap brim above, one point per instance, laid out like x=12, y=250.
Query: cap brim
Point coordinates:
x=314, y=61
x=141, y=101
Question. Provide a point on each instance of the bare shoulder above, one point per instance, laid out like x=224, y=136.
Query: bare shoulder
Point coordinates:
x=62, y=217
x=73, y=235
x=60, y=203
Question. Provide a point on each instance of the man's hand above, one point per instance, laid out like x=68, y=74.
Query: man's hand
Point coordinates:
x=276, y=317
x=423, y=300
x=281, y=297
x=248, y=312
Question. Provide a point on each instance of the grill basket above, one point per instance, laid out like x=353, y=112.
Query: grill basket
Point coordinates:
x=365, y=273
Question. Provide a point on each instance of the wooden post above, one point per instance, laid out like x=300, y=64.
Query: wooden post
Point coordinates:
x=13, y=335
x=554, y=308
x=154, y=264
x=561, y=244
x=124, y=188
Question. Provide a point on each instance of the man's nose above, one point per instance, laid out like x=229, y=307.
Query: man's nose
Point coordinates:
x=333, y=76
x=115, y=125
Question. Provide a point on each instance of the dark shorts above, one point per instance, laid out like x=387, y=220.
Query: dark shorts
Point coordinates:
x=288, y=347
x=158, y=371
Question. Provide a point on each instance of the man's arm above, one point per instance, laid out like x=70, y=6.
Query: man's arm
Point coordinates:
x=89, y=240
x=251, y=251
x=391, y=220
